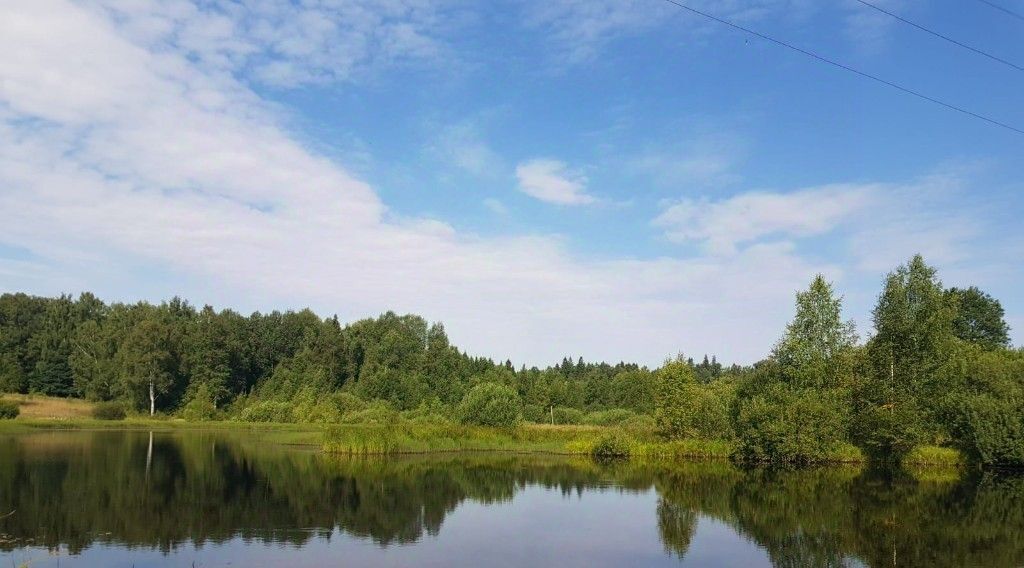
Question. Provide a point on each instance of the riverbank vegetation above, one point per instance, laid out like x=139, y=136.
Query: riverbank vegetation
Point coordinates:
x=937, y=373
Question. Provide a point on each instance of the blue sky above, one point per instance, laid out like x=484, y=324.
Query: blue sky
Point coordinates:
x=606, y=179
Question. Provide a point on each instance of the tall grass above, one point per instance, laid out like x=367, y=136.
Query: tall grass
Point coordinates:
x=421, y=437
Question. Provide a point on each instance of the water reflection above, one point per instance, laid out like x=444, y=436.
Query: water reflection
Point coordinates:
x=71, y=491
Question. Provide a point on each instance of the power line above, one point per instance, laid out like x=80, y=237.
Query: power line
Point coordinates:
x=941, y=36
x=1002, y=9
x=847, y=68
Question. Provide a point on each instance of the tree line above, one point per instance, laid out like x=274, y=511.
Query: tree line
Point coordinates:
x=174, y=357
x=938, y=369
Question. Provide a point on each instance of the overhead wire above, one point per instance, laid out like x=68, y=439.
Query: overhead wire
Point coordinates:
x=848, y=68
x=1008, y=11
x=941, y=36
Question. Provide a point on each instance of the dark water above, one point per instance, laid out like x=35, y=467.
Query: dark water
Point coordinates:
x=119, y=499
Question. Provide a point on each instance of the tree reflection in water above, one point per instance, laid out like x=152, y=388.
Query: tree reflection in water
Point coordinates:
x=74, y=489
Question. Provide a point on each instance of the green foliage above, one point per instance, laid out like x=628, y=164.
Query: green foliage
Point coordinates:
x=563, y=415
x=201, y=407
x=612, y=445
x=612, y=417
x=639, y=423
x=796, y=407
x=377, y=412
x=777, y=422
x=267, y=411
x=490, y=404
x=535, y=413
x=688, y=409
x=9, y=410
x=914, y=337
x=979, y=318
x=109, y=411
x=984, y=405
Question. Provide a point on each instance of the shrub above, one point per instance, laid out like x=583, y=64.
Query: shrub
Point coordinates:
x=348, y=402
x=990, y=430
x=686, y=409
x=109, y=411
x=639, y=423
x=201, y=407
x=564, y=415
x=376, y=412
x=535, y=413
x=777, y=422
x=984, y=407
x=430, y=410
x=267, y=411
x=490, y=404
x=9, y=410
x=613, y=417
x=613, y=445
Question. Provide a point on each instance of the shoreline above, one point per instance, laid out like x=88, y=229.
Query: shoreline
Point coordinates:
x=426, y=438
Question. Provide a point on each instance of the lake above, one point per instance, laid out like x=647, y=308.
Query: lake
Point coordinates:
x=178, y=498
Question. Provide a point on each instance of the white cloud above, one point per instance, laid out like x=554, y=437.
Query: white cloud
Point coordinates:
x=287, y=43
x=552, y=181
x=928, y=216
x=705, y=161
x=462, y=146
x=581, y=29
x=723, y=224
x=496, y=207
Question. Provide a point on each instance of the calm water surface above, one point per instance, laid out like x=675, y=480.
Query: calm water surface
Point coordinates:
x=115, y=499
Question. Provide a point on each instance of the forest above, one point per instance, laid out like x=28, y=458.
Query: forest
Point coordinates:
x=937, y=369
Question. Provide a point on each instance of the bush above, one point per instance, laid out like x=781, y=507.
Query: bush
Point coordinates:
x=490, y=404
x=613, y=445
x=376, y=412
x=348, y=402
x=430, y=411
x=613, y=417
x=535, y=413
x=564, y=415
x=267, y=411
x=109, y=411
x=639, y=423
x=990, y=430
x=9, y=410
x=688, y=410
x=201, y=407
x=778, y=422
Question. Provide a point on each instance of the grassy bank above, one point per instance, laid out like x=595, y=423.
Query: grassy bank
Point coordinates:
x=422, y=438
x=418, y=436
x=412, y=438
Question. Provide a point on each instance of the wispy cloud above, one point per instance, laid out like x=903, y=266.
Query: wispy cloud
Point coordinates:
x=461, y=145
x=496, y=207
x=553, y=182
x=707, y=161
x=580, y=30
x=287, y=44
x=722, y=225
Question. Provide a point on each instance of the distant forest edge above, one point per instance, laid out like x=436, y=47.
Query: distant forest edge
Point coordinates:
x=938, y=370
